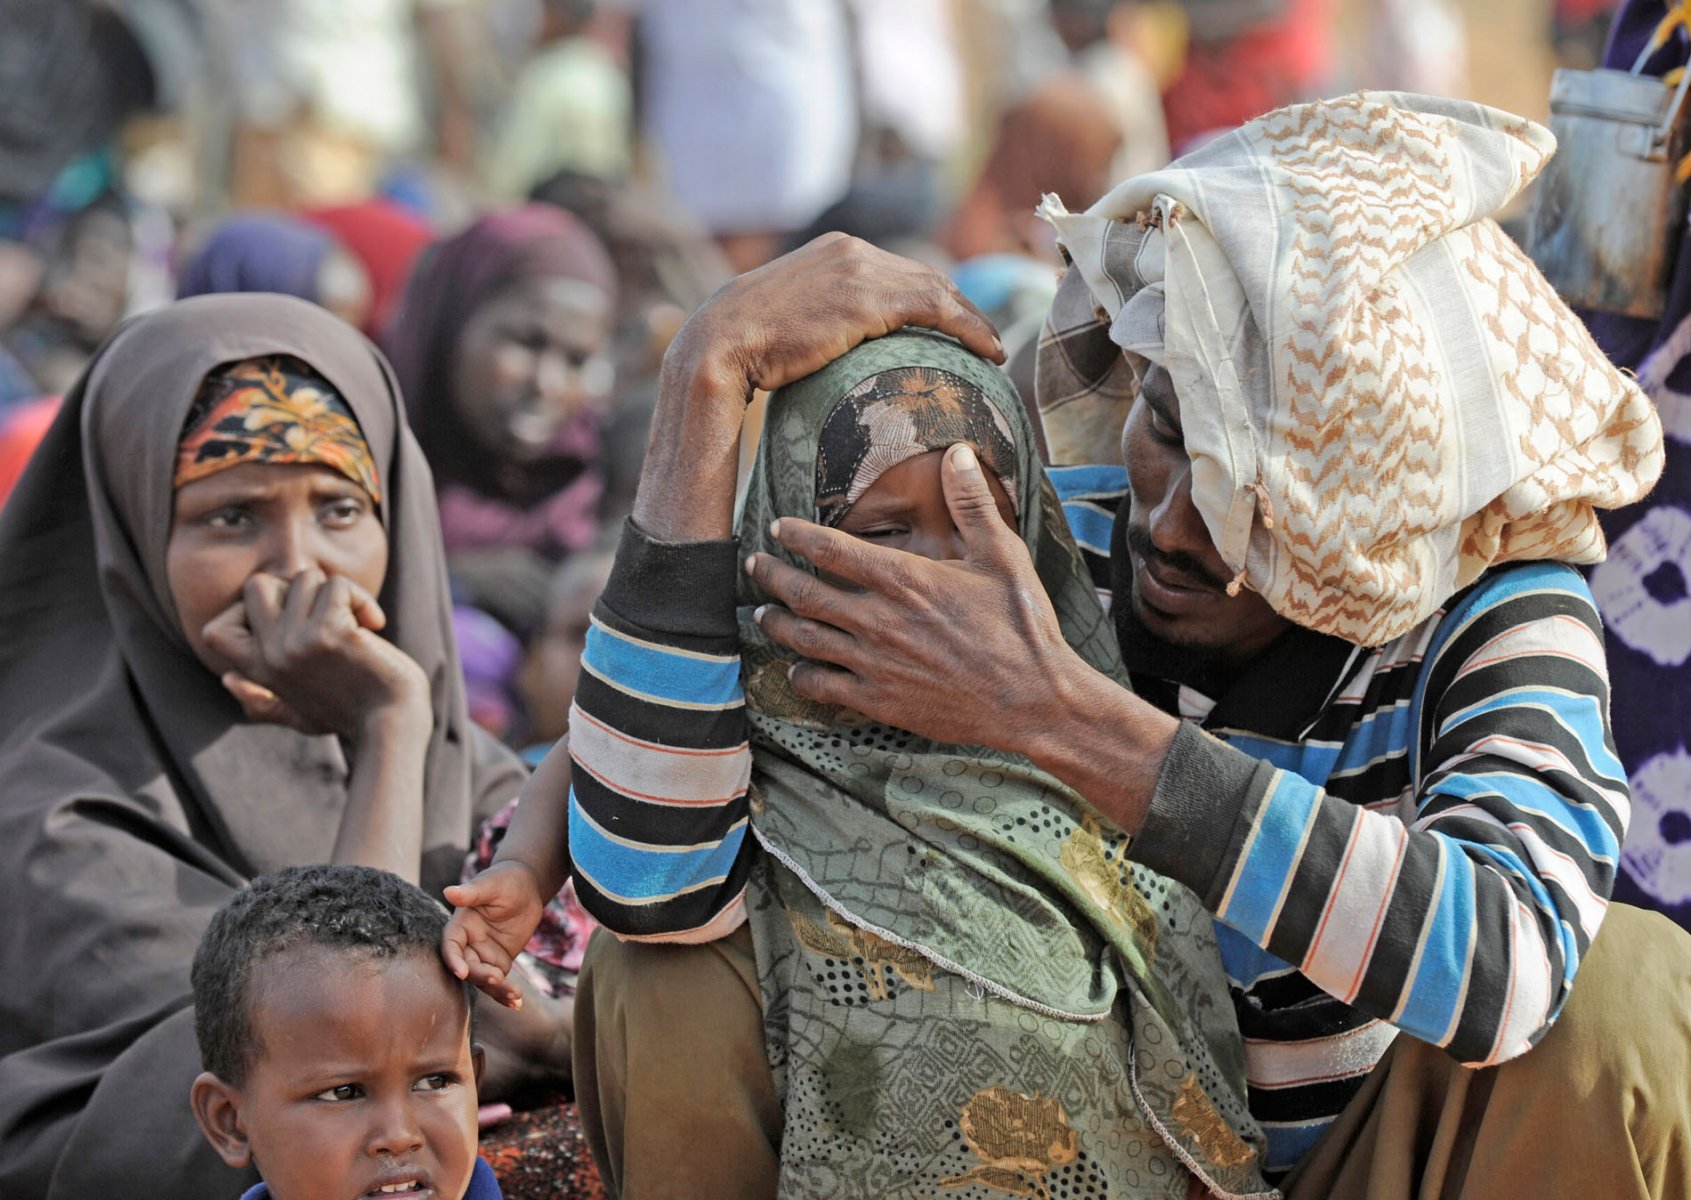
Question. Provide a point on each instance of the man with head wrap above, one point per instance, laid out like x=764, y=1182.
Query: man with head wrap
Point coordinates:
x=1363, y=442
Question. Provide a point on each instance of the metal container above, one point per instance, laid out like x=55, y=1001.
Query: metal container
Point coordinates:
x=1608, y=213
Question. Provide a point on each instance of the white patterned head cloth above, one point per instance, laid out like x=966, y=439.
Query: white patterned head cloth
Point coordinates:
x=1381, y=395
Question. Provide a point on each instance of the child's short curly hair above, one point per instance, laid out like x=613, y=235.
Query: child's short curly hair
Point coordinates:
x=358, y=909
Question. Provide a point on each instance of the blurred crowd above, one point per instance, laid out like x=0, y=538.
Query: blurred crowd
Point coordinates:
x=522, y=200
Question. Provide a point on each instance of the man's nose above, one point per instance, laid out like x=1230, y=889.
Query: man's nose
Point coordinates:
x=1176, y=526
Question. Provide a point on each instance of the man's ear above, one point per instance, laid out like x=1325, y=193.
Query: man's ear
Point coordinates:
x=478, y=1061
x=217, y=1108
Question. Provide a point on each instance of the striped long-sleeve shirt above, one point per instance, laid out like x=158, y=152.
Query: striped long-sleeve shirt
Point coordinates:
x=1417, y=837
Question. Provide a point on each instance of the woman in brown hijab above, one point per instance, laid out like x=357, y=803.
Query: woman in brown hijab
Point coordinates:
x=225, y=647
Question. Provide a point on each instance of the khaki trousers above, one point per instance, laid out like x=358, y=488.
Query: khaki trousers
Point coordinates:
x=671, y=1079
x=1601, y=1108
x=678, y=1102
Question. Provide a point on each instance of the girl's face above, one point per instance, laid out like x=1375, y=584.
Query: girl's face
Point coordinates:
x=528, y=362
x=905, y=509
x=271, y=518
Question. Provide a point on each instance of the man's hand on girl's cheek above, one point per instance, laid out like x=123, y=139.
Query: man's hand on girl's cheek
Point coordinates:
x=949, y=650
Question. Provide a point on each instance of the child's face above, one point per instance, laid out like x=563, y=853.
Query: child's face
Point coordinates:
x=362, y=1082
x=905, y=509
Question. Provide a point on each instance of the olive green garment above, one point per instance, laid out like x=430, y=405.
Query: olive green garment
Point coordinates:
x=966, y=985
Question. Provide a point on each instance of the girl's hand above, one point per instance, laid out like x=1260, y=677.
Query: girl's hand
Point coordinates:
x=497, y=912
x=309, y=656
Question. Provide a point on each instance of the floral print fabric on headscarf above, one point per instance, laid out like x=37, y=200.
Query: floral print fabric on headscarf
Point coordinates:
x=899, y=414
x=272, y=410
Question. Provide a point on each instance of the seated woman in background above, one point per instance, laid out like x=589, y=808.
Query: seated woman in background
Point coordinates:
x=501, y=346
x=929, y=966
x=225, y=647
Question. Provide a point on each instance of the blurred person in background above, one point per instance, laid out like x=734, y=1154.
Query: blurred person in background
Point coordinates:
x=908, y=71
x=1417, y=46
x=666, y=264
x=1059, y=139
x=1245, y=57
x=273, y=252
x=1580, y=32
x=750, y=112
x=1110, y=41
x=82, y=295
x=326, y=93
x=71, y=72
x=387, y=240
x=20, y=276
x=502, y=347
x=570, y=107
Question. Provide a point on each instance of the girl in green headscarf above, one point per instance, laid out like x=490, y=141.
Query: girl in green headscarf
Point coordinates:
x=964, y=982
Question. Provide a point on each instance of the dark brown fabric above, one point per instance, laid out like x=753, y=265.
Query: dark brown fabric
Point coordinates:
x=134, y=797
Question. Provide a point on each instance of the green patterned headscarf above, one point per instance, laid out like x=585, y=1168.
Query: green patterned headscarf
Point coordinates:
x=968, y=866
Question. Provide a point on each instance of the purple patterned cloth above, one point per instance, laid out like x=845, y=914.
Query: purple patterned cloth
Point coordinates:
x=1642, y=588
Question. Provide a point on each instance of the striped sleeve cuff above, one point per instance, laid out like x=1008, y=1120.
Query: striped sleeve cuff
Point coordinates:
x=684, y=590
x=1199, y=816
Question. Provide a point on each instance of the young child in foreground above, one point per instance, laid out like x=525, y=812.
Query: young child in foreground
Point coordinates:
x=338, y=1051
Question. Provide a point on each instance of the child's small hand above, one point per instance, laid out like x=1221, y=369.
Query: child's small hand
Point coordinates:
x=497, y=912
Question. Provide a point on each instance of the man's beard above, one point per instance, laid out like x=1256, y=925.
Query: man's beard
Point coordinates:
x=1142, y=650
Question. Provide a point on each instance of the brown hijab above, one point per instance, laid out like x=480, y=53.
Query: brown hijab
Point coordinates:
x=134, y=797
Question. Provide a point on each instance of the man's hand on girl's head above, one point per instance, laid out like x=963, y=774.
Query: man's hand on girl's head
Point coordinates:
x=795, y=315
x=769, y=327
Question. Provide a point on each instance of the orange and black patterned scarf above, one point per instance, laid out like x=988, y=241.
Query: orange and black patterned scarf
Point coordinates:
x=272, y=410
